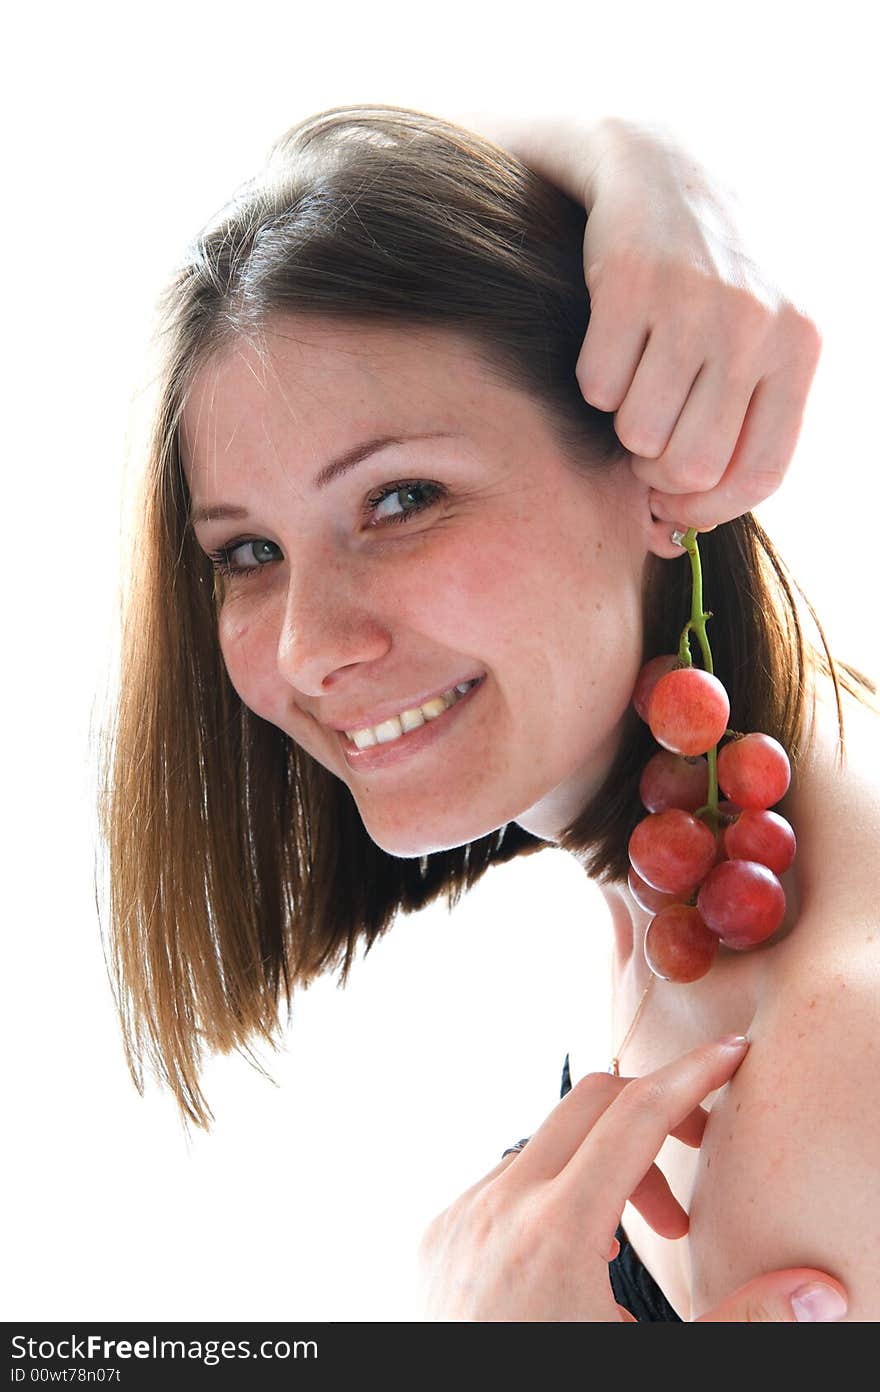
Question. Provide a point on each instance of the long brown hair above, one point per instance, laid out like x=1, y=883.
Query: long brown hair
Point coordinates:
x=238, y=867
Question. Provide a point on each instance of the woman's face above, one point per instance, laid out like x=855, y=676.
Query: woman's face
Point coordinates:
x=476, y=551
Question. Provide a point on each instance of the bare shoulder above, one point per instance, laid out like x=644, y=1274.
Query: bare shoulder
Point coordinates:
x=787, y=1174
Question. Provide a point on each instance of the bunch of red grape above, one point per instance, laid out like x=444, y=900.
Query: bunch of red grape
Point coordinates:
x=709, y=873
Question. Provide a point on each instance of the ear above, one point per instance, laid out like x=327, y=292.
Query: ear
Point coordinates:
x=659, y=536
x=656, y=534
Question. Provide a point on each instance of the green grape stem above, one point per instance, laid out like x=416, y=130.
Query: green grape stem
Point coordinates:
x=697, y=624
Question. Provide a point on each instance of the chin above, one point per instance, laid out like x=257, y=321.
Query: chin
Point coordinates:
x=408, y=843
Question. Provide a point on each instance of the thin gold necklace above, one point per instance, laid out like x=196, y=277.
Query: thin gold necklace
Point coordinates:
x=614, y=1068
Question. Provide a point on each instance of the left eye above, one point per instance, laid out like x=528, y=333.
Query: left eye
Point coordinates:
x=416, y=490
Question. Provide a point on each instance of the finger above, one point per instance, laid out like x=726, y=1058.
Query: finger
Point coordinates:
x=705, y=435
x=659, y=392
x=503, y=1164
x=658, y=1205
x=762, y=454
x=612, y=1160
x=690, y=1130
x=557, y=1139
x=782, y=1297
x=612, y=349
x=562, y=1132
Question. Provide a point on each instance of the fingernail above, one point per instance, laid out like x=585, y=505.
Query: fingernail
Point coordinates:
x=734, y=1041
x=818, y=1302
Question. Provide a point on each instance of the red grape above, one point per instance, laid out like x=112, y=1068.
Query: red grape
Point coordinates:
x=688, y=711
x=754, y=771
x=678, y=945
x=668, y=780
x=762, y=836
x=646, y=896
x=648, y=678
x=672, y=850
x=742, y=901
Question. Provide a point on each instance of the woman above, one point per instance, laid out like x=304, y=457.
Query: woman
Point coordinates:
x=383, y=331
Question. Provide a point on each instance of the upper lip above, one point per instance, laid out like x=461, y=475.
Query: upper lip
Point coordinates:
x=390, y=708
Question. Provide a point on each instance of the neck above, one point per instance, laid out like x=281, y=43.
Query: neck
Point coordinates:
x=628, y=921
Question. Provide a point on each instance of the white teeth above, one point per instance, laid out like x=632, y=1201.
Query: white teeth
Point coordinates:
x=389, y=730
x=410, y=719
x=362, y=738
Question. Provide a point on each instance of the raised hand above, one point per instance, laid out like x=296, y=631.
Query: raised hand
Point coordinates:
x=705, y=362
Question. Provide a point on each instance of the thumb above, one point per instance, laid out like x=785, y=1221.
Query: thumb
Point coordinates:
x=782, y=1297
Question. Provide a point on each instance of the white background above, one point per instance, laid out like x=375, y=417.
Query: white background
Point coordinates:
x=125, y=131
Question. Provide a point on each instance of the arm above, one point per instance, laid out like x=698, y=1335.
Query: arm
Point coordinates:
x=788, y=1172
x=566, y=150
x=569, y=150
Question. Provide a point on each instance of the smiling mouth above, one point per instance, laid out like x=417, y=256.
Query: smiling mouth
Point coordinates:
x=399, y=726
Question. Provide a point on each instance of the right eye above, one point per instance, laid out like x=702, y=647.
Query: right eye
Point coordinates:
x=223, y=563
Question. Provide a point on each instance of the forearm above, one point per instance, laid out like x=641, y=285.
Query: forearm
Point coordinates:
x=566, y=150
x=576, y=153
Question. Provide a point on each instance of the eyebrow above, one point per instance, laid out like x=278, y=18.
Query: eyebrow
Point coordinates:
x=335, y=469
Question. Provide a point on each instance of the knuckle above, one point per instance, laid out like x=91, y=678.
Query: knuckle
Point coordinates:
x=801, y=323
x=736, y=304
x=745, y=358
x=597, y=390
x=485, y=1214
x=746, y=317
x=649, y=1093
x=746, y=338
x=766, y=480
x=481, y=1228
x=520, y=1229
x=753, y=314
x=695, y=474
x=530, y=1234
x=808, y=341
x=593, y=1084
x=757, y=1311
x=641, y=439
x=477, y=1218
x=603, y=396
x=798, y=340
x=814, y=333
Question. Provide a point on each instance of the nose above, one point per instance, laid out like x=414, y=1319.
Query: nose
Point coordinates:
x=329, y=624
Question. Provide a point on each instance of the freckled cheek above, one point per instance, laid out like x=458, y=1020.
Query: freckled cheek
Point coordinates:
x=249, y=645
x=466, y=601
x=528, y=594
